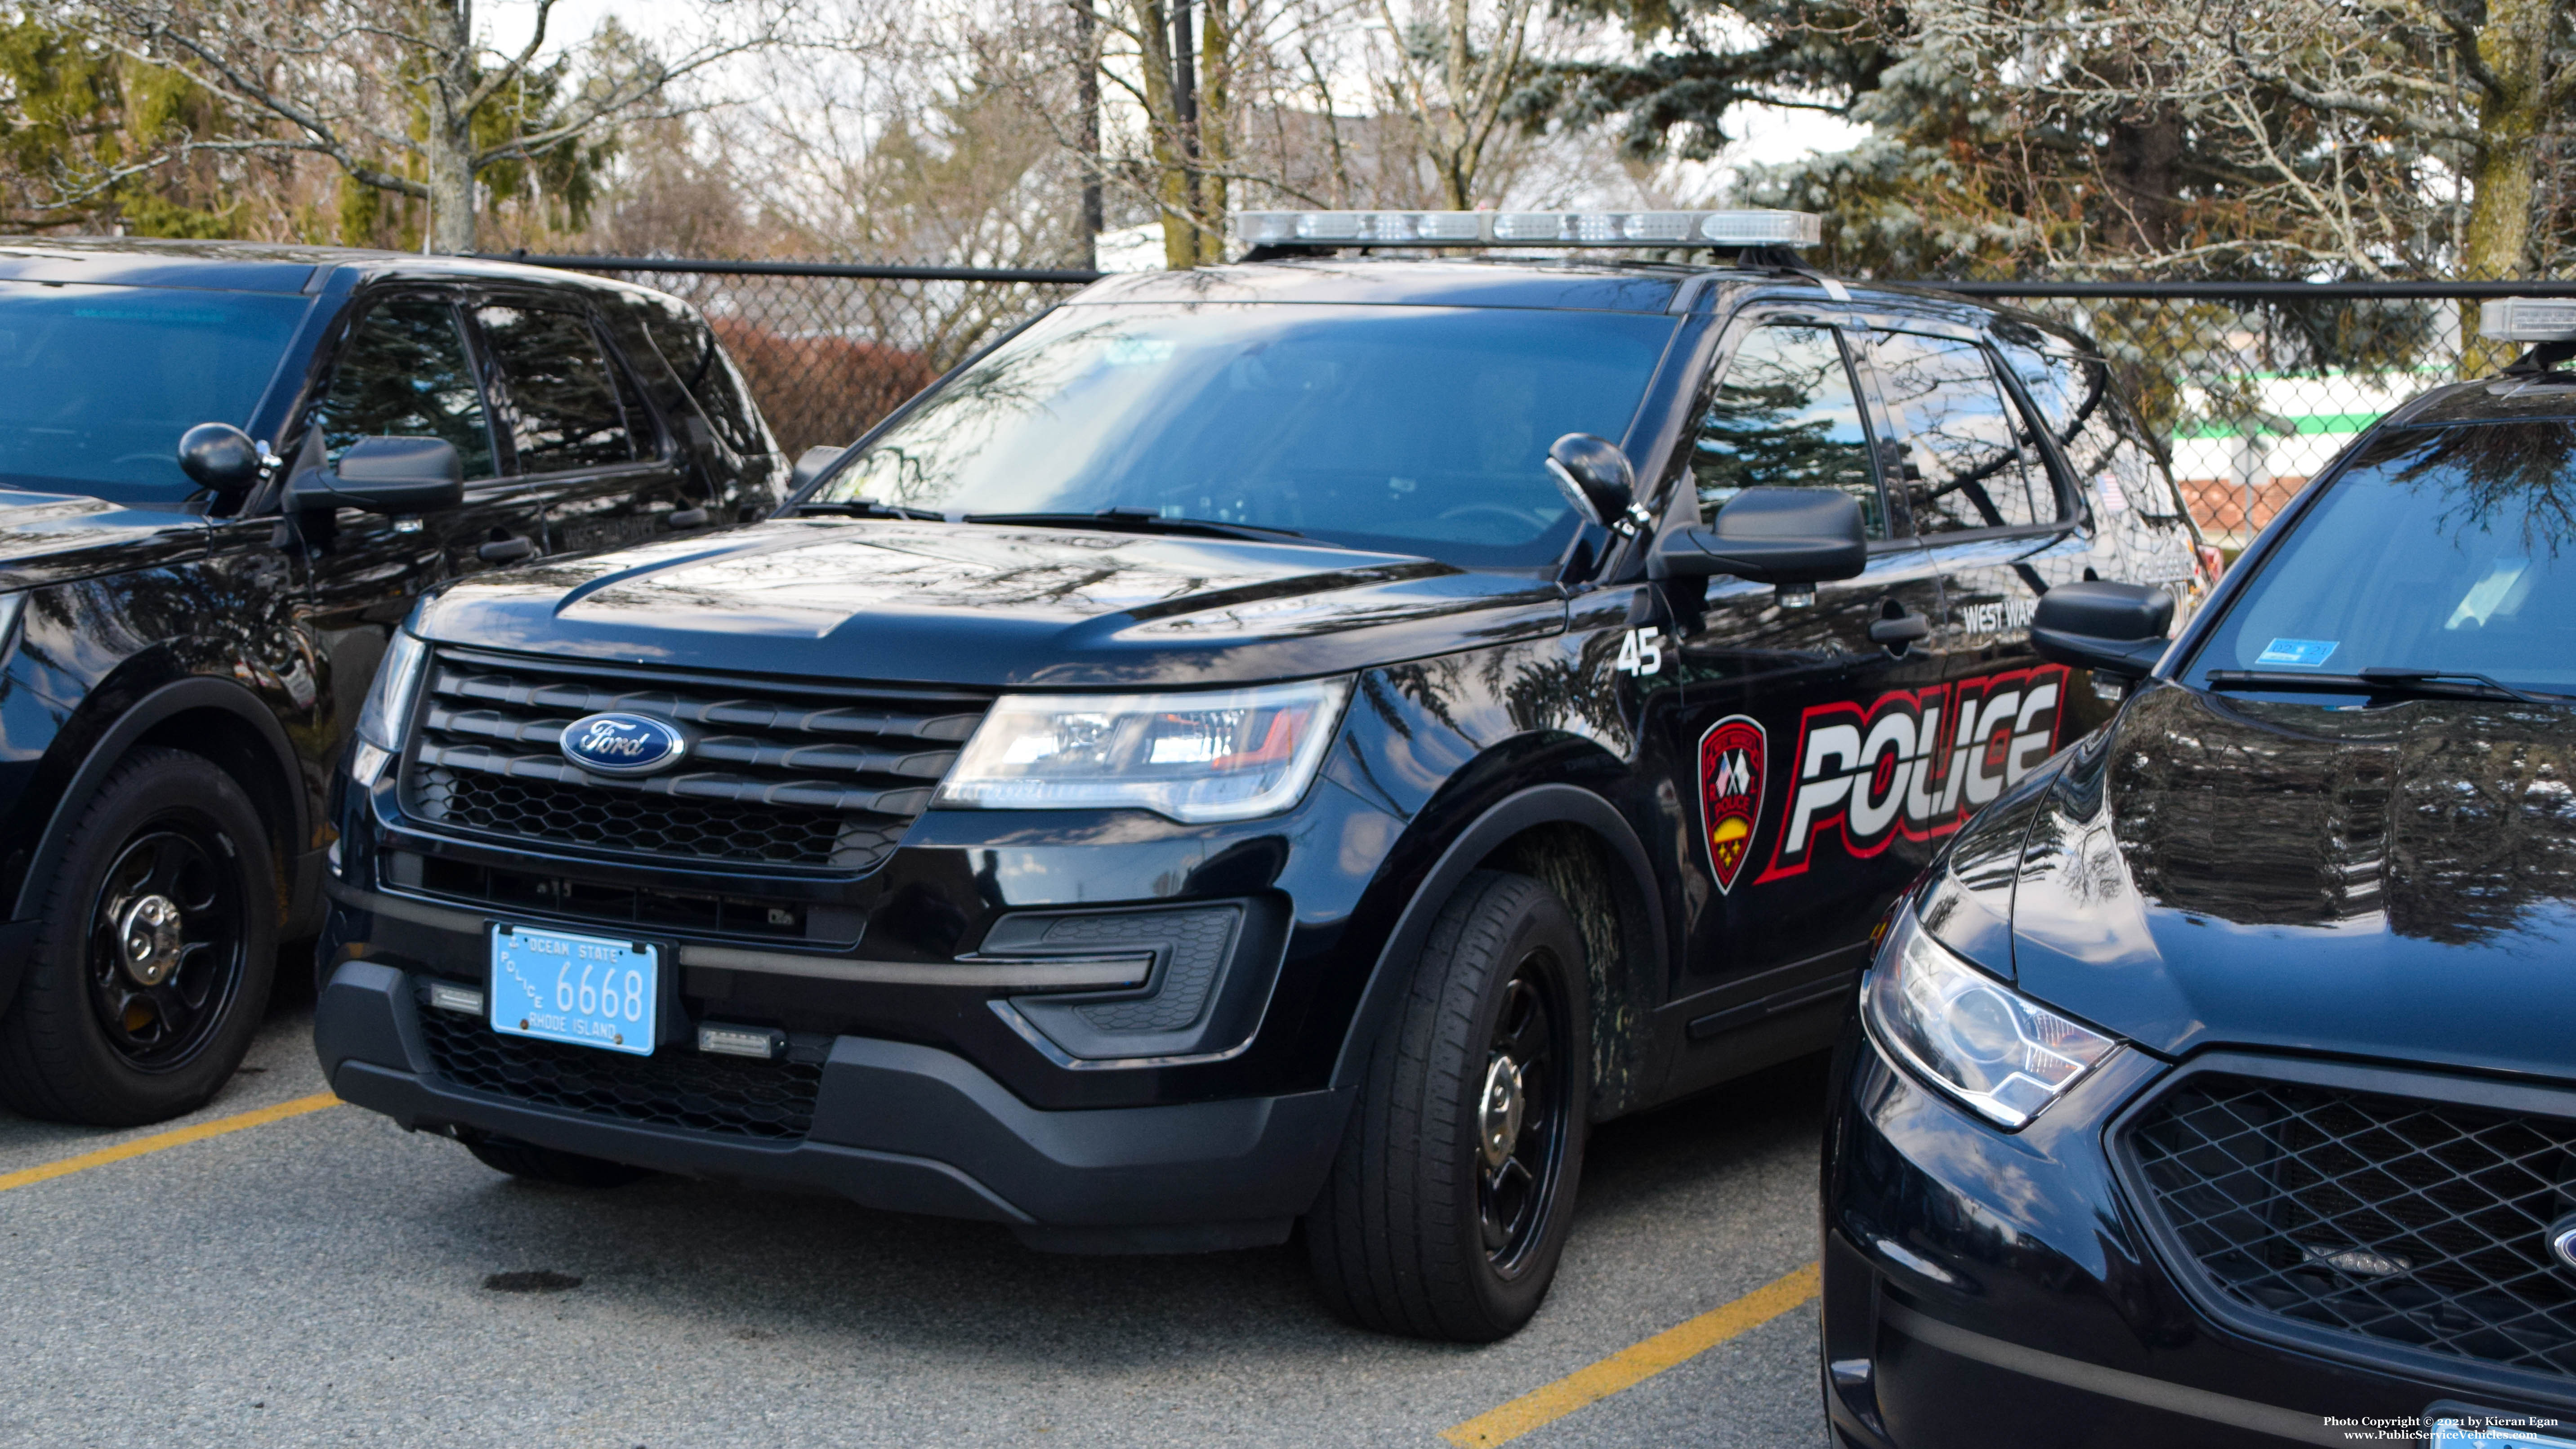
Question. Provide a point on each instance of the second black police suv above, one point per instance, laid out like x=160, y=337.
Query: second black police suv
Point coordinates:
x=2219, y=1087
x=226, y=471
x=1248, y=748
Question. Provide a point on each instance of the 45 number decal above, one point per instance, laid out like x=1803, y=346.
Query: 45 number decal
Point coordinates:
x=1641, y=651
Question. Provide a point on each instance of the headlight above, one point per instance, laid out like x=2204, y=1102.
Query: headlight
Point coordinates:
x=1988, y=1045
x=1201, y=756
x=388, y=707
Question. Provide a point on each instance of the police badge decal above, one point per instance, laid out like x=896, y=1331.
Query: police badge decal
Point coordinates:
x=1730, y=793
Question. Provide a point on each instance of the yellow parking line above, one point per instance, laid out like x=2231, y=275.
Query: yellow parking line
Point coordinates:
x=1637, y=1363
x=177, y=1136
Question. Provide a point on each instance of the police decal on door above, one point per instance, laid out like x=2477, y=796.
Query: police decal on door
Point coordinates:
x=1913, y=762
x=1731, y=757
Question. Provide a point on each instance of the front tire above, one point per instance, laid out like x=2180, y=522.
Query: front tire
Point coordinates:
x=151, y=968
x=1448, y=1206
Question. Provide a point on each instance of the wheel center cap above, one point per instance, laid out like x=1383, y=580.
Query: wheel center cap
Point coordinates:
x=147, y=939
x=1498, y=1116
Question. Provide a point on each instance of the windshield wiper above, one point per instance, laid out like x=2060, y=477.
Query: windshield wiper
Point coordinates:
x=869, y=508
x=1141, y=520
x=2424, y=683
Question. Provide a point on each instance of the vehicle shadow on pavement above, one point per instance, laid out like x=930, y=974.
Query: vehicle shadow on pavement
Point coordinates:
x=757, y=1265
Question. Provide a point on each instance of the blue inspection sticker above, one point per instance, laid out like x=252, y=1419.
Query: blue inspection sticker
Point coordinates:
x=2305, y=653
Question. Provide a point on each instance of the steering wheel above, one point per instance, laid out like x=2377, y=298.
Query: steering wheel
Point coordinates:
x=1520, y=516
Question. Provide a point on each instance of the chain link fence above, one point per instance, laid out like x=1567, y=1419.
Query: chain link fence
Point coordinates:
x=2254, y=386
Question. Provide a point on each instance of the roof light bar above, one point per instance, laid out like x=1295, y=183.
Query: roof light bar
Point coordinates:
x=1529, y=228
x=2528, y=319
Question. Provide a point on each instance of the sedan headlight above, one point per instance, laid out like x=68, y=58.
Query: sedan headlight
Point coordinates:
x=388, y=707
x=1984, y=1043
x=1201, y=756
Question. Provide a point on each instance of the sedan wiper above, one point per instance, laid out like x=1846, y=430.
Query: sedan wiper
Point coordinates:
x=2423, y=683
x=868, y=508
x=1141, y=520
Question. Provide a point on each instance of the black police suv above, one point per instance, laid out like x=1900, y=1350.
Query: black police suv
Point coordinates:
x=189, y=630
x=1247, y=748
x=2218, y=1086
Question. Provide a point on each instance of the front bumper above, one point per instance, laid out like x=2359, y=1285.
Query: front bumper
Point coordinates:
x=1982, y=1288
x=903, y=1127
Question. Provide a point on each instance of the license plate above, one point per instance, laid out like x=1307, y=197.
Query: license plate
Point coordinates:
x=588, y=990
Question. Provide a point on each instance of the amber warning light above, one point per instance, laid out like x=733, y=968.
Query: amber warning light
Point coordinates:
x=1529, y=228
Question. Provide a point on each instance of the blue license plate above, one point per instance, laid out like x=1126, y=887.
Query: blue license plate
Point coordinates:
x=588, y=990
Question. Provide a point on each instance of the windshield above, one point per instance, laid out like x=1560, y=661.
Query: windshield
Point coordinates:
x=1416, y=430
x=2442, y=549
x=97, y=383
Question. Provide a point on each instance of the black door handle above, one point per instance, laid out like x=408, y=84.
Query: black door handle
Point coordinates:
x=687, y=517
x=506, y=550
x=1903, y=629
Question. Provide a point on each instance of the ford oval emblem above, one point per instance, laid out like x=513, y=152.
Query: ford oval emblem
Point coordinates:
x=623, y=744
x=2562, y=1240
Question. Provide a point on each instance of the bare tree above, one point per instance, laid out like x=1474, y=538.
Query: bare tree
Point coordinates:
x=404, y=96
x=2373, y=136
x=1453, y=69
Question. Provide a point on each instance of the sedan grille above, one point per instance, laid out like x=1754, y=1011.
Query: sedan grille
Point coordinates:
x=774, y=776
x=2399, y=1219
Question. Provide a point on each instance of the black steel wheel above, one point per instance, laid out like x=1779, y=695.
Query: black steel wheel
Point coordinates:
x=157, y=943
x=167, y=950
x=1447, y=1208
x=1521, y=1118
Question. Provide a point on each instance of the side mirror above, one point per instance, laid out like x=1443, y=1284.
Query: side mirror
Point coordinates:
x=386, y=475
x=1596, y=478
x=1787, y=536
x=2103, y=626
x=813, y=463
x=221, y=457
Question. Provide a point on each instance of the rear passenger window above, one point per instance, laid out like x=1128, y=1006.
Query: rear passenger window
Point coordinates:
x=1962, y=434
x=689, y=345
x=404, y=375
x=1785, y=415
x=566, y=399
x=2101, y=439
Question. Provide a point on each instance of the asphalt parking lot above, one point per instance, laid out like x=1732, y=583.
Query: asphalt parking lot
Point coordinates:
x=320, y=1276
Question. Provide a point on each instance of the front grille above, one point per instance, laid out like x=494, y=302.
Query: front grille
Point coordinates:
x=774, y=775
x=651, y=907
x=2398, y=1219
x=671, y=1088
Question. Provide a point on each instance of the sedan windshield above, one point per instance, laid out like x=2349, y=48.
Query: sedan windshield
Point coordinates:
x=97, y=383
x=1419, y=430
x=2445, y=553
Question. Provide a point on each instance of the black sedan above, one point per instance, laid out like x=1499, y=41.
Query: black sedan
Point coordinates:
x=2217, y=1086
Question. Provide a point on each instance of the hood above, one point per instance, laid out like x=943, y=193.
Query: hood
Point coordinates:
x=47, y=538
x=980, y=604
x=2396, y=883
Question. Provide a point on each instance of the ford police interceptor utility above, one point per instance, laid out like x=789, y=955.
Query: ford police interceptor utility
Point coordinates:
x=1292, y=741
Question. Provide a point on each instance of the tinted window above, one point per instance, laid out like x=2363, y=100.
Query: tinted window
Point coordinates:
x=1960, y=431
x=97, y=383
x=689, y=346
x=2440, y=548
x=1412, y=429
x=404, y=374
x=2102, y=441
x=1785, y=415
x=561, y=389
